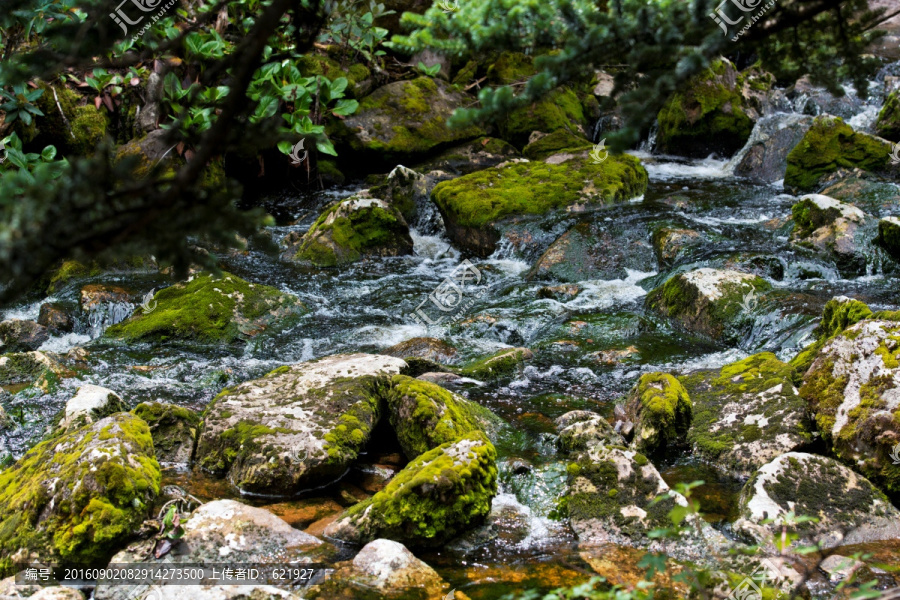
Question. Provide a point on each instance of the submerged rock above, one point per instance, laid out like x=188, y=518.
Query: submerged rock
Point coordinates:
x=838, y=231
x=76, y=498
x=352, y=229
x=849, y=509
x=853, y=391
x=829, y=145
x=660, y=409
x=424, y=415
x=746, y=414
x=173, y=429
x=708, y=302
x=298, y=426
x=671, y=244
x=764, y=157
x=206, y=309
x=17, y=335
x=432, y=500
x=90, y=403
x=474, y=204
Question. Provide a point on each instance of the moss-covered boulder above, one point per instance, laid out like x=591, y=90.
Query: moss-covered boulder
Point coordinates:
x=353, y=229
x=404, y=120
x=78, y=497
x=888, y=123
x=764, y=158
x=71, y=122
x=581, y=429
x=711, y=303
x=837, y=231
x=472, y=205
x=853, y=392
x=211, y=310
x=173, y=428
x=90, y=403
x=746, y=413
x=503, y=363
x=848, y=508
x=479, y=154
x=831, y=144
x=839, y=313
x=18, y=335
x=298, y=426
x=889, y=236
x=710, y=115
x=561, y=140
x=405, y=189
x=424, y=415
x=433, y=499
x=660, y=409
x=39, y=369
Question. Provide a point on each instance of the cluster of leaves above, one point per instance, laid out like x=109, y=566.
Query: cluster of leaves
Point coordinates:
x=352, y=26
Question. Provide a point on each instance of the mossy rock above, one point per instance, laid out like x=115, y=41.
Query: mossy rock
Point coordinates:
x=436, y=497
x=358, y=76
x=79, y=133
x=660, y=409
x=839, y=313
x=211, y=310
x=352, y=229
x=561, y=110
x=297, y=427
x=851, y=391
x=173, y=428
x=672, y=244
x=709, y=115
x=581, y=429
x=746, y=413
x=889, y=236
x=77, y=498
x=477, y=155
x=503, y=363
x=404, y=189
x=888, y=123
x=424, y=415
x=710, y=303
x=89, y=404
x=426, y=348
x=848, y=509
x=831, y=144
x=403, y=121
x=561, y=140
x=36, y=368
x=473, y=205
x=837, y=231
x=17, y=335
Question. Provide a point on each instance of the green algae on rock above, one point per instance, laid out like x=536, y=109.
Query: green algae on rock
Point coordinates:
x=711, y=303
x=746, y=414
x=212, y=310
x=349, y=230
x=660, y=409
x=473, y=204
x=829, y=145
x=70, y=122
x=173, y=429
x=500, y=364
x=76, y=498
x=424, y=415
x=299, y=426
x=433, y=499
x=848, y=509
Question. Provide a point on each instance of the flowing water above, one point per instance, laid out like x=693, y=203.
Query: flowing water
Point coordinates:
x=367, y=307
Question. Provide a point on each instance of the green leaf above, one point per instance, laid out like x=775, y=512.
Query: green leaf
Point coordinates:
x=324, y=145
x=285, y=148
x=49, y=153
x=345, y=107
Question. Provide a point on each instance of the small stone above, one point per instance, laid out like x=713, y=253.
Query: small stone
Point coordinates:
x=21, y=336
x=90, y=403
x=55, y=317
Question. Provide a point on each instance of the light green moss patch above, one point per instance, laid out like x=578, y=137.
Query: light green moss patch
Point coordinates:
x=661, y=410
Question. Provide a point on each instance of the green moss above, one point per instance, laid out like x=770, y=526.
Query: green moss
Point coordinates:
x=829, y=145
x=424, y=415
x=435, y=497
x=466, y=74
x=889, y=236
x=311, y=65
x=511, y=67
x=85, y=128
x=888, y=123
x=171, y=426
x=838, y=315
x=210, y=310
x=498, y=365
x=484, y=197
x=561, y=140
x=661, y=410
x=560, y=110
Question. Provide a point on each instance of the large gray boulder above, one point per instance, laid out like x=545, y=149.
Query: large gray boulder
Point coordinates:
x=764, y=157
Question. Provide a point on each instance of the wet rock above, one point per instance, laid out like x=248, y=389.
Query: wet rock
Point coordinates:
x=32, y=368
x=836, y=230
x=849, y=509
x=671, y=245
x=404, y=120
x=298, y=426
x=864, y=190
x=353, y=229
x=89, y=404
x=714, y=113
x=853, y=391
x=500, y=364
x=472, y=206
x=222, y=531
x=476, y=155
x=594, y=251
x=708, y=302
x=582, y=429
x=614, y=356
x=423, y=347
x=424, y=415
x=442, y=378
x=17, y=335
x=432, y=500
x=77, y=497
x=519, y=466
x=55, y=317
x=839, y=568
x=173, y=429
x=385, y=568
x=889, y=236
x=208, y=310
x=560, y=293
x=888, y=123
x=829, y=145
x=746, y=414
x=660, y=409
x=764, y=158
x=95, y=295
x=405, y=189
x=813, y=100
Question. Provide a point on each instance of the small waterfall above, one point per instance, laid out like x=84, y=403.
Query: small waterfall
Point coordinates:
x=106, y=314
x=649, y=144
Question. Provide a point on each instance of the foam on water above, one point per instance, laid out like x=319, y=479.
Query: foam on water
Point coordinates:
x=599, y=293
